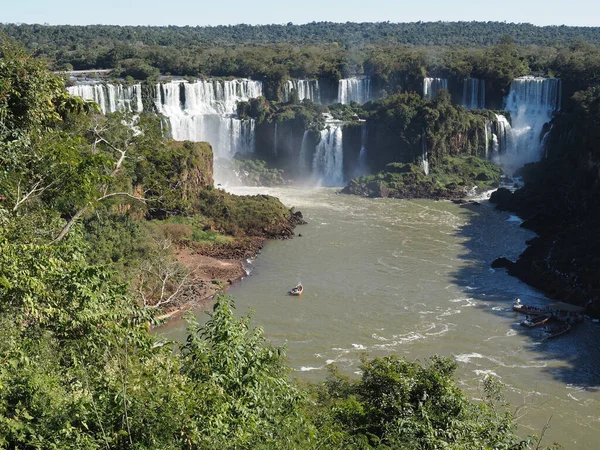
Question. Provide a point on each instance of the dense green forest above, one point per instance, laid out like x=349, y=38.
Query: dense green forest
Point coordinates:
x=348, y=34
x=86, y=202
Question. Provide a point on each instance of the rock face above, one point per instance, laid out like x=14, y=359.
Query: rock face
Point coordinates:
x=560, y=202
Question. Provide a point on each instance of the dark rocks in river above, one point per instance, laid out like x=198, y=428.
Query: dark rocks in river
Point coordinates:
x=502, y=198
x=502, y=263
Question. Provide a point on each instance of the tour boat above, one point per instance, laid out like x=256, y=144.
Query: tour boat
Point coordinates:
x=535, y=321
x=556, y=330
x=297, y=290
x=527, y=309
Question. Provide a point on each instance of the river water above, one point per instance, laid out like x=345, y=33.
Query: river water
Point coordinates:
x=413, y=278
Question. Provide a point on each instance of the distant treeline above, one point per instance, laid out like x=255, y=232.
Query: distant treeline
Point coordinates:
x=347, y=34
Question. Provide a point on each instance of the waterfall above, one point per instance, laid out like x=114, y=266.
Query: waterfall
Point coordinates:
x=305, y=89
x=424, y=158
x=355, y=89
x=362, y=156
x=111, y=97
x=206, y=110
x=328, y=161
x=488, y=133
x=303, y=151
x=473, y=93
x=502, y=135
x=531, y=102
x=431, y=86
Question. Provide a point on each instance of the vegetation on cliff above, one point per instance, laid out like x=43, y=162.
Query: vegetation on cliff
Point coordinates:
x=450, y=178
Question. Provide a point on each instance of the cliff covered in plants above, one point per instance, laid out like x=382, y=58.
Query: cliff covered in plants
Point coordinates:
x=560, y=201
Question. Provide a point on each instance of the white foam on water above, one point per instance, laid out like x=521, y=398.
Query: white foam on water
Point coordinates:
x=359, y=347
x=309, y=369
x=486, y=373
x=379, y=338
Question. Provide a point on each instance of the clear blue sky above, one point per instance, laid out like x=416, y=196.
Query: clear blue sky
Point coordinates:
x=214, y=12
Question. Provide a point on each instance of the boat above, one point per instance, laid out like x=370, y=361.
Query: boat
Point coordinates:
x=535, y=320
x=528, y=309
x=297, y=290
x=556, y=330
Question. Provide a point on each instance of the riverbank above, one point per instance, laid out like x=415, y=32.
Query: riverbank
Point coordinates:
x=213, y=268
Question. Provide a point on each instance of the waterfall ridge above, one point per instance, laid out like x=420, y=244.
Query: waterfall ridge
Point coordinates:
x=206, y=110
x=111, y=97
x=473, y=93
x=306, y=90
x=355, y=89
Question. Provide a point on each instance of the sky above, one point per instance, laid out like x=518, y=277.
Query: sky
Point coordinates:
x=230, y=12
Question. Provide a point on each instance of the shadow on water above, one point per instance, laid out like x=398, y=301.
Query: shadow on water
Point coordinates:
x=577, y=352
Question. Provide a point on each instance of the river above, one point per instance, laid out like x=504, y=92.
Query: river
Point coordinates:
x=413, y=278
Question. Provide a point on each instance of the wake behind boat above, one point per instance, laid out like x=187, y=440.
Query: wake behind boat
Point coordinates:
x=297, y=290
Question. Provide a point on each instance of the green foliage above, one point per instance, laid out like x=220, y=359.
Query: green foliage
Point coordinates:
x=254, y=215
x=451, y=177
x=254, y=172
x=401, y=404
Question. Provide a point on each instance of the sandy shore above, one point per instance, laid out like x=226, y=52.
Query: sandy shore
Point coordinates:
x=212, y=270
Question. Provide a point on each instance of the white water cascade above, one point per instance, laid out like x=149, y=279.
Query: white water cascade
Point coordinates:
x=531, y=102
x=306, y=89
x=431, y=86
x=328, y=160
x=355, y=89
x=362, y=156
x=206, y=110
x=502, y=136
x=111, y=97
x=424, y=157
x=303, y=151
x=473, y=93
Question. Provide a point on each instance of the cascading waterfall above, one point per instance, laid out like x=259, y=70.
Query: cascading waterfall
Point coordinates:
x=305, y=89
x=328, y=160
x=111, y=97
x=303, y=151
x=502, y=135
x=424, y=157
x=362, y=156
x=275, y=140
x=488, y=133
x=355, y=89
x=473, y=93
x=431, y=86
x=531, y=102
x=206, y=110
